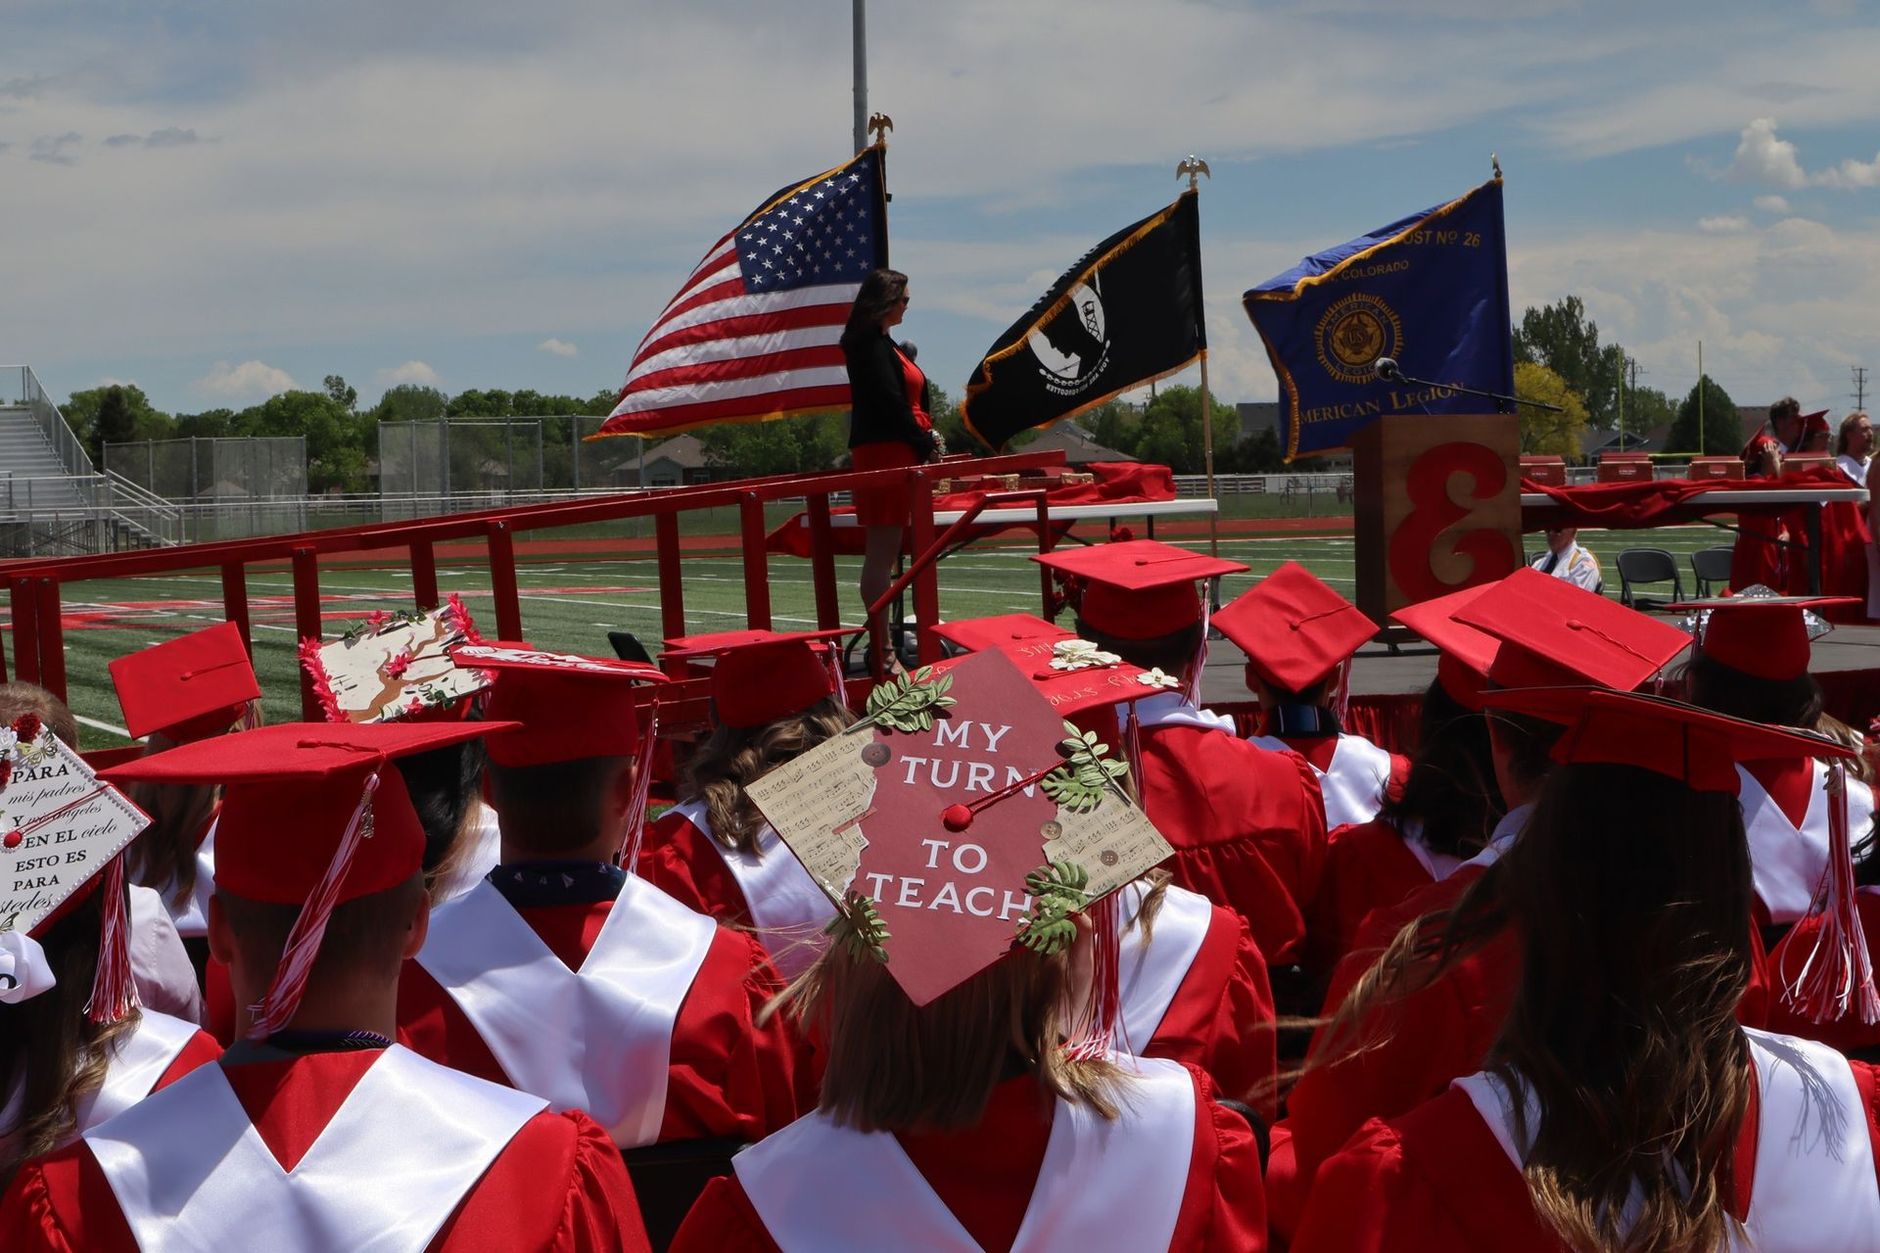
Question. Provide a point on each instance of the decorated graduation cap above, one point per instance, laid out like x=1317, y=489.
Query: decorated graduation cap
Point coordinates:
x=565, y=707
x=1074, y=675
x=394, y=665
x=1466, y=652
x=1294, y=629
x=311, y=817
x=62, y=836
x=1553, y=633
x=962, y=821
x=1139, y=589
x=186, y=688
x=1764, y=636
x=759, y=677
x=1700, y=748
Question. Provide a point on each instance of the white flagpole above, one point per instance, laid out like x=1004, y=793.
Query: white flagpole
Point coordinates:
x=1194, y=167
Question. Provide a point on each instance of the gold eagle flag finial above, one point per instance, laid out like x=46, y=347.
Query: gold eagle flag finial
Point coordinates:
x=1495, y=164
x=878, y=126
x=1194, y=167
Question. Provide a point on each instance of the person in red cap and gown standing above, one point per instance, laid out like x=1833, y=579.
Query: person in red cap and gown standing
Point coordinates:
x=1762, y=554
x=970, y=1101
x=565, y=975
x=315, y=1132
x=1247, y=825
x=1622, y=1106
x=773, y=697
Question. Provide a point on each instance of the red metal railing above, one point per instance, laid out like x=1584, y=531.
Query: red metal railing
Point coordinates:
x=35, y=587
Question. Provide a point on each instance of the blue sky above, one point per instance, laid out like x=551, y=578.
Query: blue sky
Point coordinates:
x=216, y=200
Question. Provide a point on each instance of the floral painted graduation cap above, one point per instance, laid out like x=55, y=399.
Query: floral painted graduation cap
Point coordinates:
x=311, y=816
x=1294, y=628
x=1764, y=636
x=394, y=665
x=62, y=833
x=1553, y=633
x=1466, y=652
x=759, y=677
x=1072, y=674
x=186, y=688
x=961, y=820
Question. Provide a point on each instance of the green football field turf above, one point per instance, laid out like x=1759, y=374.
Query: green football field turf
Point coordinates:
x=570, y=605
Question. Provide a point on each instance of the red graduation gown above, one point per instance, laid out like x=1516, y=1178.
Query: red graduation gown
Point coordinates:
x=676, y=857
x=558, y=1185
x=727, y=1075
x=1247, y=825
x=985, y=1177
x=1368, y=866
x=1437, y=1179
x=1221, y=1019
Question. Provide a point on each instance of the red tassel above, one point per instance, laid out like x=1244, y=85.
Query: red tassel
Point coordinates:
x=1192, y=691
x=1094, y=1033
x=113, y=990
x=642, y=789
x=282, y=1001
x=1836, y=974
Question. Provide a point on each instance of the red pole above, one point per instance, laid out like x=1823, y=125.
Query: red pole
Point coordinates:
x=51, y=639
x=822, y=563
x=671, y=576
x=235, y=601
x=503, y=582
x=927, y=582
x=307, y=624
x=25, y=631
x=756, y=561
x=424, y=574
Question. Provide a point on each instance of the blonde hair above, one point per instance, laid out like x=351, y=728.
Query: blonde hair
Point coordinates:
x=164, y=856
x=895, y=1066
x=730, y=757
x=1847, y=424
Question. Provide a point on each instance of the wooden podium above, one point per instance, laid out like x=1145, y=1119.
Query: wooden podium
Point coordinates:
x=1437, y=500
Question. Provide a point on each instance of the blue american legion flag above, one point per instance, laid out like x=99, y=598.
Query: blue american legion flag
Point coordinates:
x=1429, y=291
x=755, y=330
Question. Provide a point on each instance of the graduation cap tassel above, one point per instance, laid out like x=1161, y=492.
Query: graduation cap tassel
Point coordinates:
x=113, y=990
x=1192, y=692
x=642, y=788
x=1095, y=1033
x=278, y=1007
x=1836, y=975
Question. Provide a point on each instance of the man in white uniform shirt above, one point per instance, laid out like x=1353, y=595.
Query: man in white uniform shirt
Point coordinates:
x=1565, y=559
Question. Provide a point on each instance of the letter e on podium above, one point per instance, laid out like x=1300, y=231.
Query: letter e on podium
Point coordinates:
x=1437, y=500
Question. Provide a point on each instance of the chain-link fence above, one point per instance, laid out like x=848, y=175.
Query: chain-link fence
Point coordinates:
x=499, y=457
x=242, y=486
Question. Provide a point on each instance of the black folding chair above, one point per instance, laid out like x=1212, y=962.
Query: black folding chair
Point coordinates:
x=1648, y=565
x=627, y=646
x=668, y=1177
x=1711, y=565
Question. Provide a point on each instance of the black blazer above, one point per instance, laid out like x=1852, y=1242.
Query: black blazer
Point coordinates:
x=878, y=397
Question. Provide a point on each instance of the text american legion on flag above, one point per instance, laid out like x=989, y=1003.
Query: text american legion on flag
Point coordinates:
x=755, y=330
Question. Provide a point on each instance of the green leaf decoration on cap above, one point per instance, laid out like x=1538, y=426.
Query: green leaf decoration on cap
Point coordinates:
x=1080, y=783
x=858, y=927
x=908, y=703
x=1057, y=892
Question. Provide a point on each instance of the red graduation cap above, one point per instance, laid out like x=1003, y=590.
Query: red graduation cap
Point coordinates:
x=1467, y=653
x=188, y=687
x=1294, y=629
x=1010, y=633
x=1815, y=423
x=1764, y=636
x=761, y=677
x=310, y=817
x=1553, y=633
x=564, y=707
x=947, y=809
x=1139, y=589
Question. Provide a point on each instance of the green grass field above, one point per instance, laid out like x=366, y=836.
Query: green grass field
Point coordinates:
x=570, y=605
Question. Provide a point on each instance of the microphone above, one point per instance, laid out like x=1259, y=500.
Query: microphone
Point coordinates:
x=1386, y=369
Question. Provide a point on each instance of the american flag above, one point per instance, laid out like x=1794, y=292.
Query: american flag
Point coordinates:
x=755, y=330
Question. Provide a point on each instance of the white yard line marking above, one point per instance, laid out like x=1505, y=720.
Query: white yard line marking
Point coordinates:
x=94, y=723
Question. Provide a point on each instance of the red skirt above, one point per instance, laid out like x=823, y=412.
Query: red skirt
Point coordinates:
x=885, y=504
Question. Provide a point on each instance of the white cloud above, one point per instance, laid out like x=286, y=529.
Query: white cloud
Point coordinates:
x=1852, y=173
x=410, y=372
x=1762, y=157
x=248, y=382
x=1728, y=224
x=558, y=348
x=57, y=149
x=1772, y=204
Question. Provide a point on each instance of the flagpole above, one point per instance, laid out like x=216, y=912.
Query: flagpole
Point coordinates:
x=1194, y=167
x=860, y=28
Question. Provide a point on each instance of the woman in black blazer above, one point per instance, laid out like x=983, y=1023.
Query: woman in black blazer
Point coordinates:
x=888, y=422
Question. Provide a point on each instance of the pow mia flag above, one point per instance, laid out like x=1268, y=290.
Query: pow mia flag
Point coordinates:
x=1129, y=311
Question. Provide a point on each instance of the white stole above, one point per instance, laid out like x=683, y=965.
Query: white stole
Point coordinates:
x=137, y=1062
x=1353, y=782
x=1507, y=830
x=190, y=1171
x=1102, y=1185
x=1787, y=862
x=1152, y=967
x=1814, y=1187
x=788, y=908
x=598, y=1039
x=1172, y=709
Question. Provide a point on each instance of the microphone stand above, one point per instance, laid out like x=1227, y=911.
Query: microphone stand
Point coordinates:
x=1398, y=376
